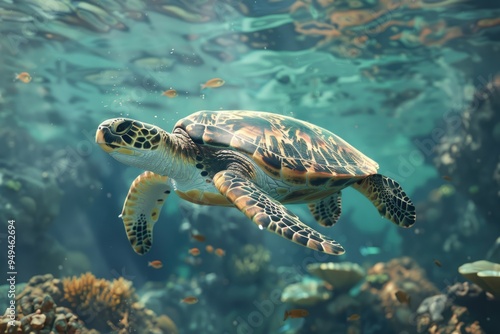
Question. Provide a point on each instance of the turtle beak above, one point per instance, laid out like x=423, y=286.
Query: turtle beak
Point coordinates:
x=99, y=139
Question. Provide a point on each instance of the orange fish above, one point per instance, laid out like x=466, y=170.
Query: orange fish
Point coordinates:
x=296, y=313
x=353, y=317
x=447, y=178
x=194, y=251
x=155, y=264
x=198, y=237
x=403, y=297
x=210, y=248
x=24, y=77
x=190, y=300
x=213, y=83
x=220, y=252
x=171, y=93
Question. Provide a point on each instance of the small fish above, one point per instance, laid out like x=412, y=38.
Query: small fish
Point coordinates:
x=369, y=250
x=198, y=237
x=213, y=83
x=403, y=297
x=353, y=317
x=157, y=264
x=194, y=251
x=296, y=313
x=171, y=93
x=438, y=263
x=447, y=178
x=220, y=252
x=209, y=249
x=190, y=300
x=23, y=77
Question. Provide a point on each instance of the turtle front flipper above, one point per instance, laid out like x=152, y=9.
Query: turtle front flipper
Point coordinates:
x=327, y=210
x=267, y=213
x=142, y=207
x=389, y=199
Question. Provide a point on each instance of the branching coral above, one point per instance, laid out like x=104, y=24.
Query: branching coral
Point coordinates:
x=99, y=300
x=106, y=305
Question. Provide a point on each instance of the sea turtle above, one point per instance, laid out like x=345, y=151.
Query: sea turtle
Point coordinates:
x=255, y=161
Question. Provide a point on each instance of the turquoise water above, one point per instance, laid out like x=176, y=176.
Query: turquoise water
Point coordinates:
x=411, y=84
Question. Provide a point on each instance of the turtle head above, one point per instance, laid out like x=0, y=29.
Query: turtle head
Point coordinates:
x=132, y=142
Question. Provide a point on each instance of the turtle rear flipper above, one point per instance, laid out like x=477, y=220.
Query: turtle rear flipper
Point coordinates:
x=142, y=207
x=267, y=213
x=327, y=210
x=389, y=199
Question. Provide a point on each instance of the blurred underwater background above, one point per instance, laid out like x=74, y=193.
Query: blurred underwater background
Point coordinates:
x=413, y=84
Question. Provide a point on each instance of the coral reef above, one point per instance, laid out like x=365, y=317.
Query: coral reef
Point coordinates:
x=401, y=274
x=371, y=308
x=45, y=314
x=41, y=285
x=378, y=306
x=459, y=322
x=84, y=304
x=465, y=308
x=342, y=276
x=37, y=310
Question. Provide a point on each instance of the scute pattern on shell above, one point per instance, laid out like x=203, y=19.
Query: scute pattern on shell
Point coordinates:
x=278, y=143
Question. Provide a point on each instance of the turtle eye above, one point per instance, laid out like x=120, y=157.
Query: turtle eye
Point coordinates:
x=123, y=127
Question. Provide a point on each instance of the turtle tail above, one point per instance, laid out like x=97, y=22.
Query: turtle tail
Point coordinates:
x=389, y=198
